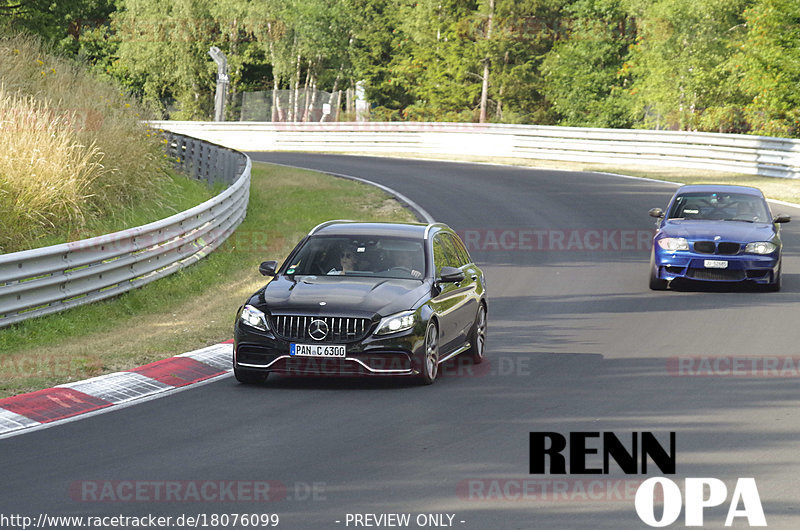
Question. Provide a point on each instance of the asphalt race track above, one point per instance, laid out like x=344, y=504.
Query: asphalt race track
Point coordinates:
x=577, y=342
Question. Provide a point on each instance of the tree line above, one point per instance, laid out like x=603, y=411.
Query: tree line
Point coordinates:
x=695, y=65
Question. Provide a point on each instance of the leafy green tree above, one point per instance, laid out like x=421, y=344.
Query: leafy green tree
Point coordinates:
x=438, y=59
x=585, y=79
x=681, y=60
x=159, y=51
x=59, y=24
x=377, y=53
x=524, y=32
x=455, y=61
x=710, y=65
x=769, y=60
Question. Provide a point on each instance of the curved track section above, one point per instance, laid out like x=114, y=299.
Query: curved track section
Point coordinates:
x=576, y=342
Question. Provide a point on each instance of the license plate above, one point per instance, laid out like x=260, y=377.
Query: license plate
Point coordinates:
x=316, y=350
x=715, y=264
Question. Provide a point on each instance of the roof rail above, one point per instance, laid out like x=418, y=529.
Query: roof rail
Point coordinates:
x=430, y=227
x=326, y=223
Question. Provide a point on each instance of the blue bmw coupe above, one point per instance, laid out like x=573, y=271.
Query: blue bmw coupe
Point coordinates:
x=717, y=234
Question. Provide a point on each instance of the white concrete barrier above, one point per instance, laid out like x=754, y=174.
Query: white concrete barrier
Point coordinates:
x=756, y=155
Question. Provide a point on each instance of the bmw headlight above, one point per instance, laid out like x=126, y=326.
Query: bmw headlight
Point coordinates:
x=760, y=247
x=673, y=243
x=253, y=318
x=397, y=322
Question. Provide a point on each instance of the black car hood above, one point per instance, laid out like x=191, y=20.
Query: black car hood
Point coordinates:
x=341, y=296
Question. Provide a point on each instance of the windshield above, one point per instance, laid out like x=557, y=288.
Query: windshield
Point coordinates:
x=383, y=257
x=720, y=207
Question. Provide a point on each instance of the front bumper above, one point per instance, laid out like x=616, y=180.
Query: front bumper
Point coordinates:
x=398, y=354
x=694, y=266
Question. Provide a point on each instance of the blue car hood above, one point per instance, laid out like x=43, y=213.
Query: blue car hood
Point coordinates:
x=736, y=231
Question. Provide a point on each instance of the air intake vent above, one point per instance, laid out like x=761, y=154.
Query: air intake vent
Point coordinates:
x=719, y=275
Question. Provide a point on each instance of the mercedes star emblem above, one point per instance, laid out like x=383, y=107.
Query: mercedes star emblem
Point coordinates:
x=318, y=329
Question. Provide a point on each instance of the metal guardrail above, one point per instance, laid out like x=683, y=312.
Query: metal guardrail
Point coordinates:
x=45, y=280
x=757, y=155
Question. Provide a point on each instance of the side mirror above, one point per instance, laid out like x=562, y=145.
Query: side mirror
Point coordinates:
x=781, y=219
x=658, y=213
x=451, y=275
x=268, y=268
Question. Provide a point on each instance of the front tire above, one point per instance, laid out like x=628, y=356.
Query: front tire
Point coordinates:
x=775, y=286
x=656, y=283
x=430, y=359
x=477, y=337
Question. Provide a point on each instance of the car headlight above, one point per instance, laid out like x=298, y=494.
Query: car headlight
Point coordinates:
x=253, y=318
x=761, y=247
x=397, y=322
x=673, y=243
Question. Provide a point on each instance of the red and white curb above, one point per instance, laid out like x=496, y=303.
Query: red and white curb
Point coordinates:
x=25, y=411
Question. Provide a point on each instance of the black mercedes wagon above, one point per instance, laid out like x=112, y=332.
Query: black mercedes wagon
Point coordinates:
x=352, y=298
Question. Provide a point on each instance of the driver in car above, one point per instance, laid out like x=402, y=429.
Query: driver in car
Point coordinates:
x=404, y=260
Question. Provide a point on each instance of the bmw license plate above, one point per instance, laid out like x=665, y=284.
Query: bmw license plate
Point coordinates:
x=715, y=264
x=316, y=350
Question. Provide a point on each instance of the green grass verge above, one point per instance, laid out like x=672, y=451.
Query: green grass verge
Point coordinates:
x=192, y=308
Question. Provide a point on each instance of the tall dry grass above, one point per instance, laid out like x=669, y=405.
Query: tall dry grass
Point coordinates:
x=46, y=176
x=72, y=147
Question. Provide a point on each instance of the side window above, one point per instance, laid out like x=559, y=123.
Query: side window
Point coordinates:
x=463, y=254
x=443, y=255
x=455, y=258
